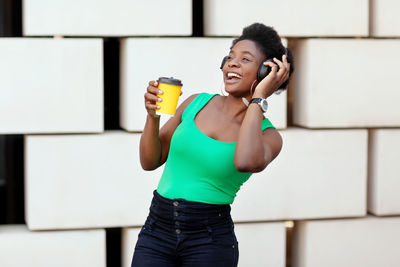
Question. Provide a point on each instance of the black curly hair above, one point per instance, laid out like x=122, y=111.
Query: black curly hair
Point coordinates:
x=269, y=42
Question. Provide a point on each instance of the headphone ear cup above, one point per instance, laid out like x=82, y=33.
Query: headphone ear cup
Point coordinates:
x=263, y=70
x=224, y=60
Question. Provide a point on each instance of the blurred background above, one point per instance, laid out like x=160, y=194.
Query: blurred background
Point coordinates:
x=72, y=79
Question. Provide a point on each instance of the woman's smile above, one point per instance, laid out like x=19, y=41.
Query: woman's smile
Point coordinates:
x=233, y=77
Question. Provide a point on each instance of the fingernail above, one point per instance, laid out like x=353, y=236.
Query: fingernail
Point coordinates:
x=160, y=92
x=159, y=99
x=158, y=107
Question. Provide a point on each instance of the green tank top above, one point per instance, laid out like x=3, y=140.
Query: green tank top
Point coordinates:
x=200, y=168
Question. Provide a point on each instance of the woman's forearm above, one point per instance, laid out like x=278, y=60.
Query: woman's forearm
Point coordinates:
x=150, y=145
x=250, y=154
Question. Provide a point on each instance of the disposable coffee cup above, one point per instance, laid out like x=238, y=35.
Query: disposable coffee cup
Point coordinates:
x=171, y=89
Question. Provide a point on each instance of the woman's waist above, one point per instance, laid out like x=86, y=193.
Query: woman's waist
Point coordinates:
x=188, y=213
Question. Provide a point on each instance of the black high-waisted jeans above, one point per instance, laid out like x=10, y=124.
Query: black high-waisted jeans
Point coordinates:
x=186, y=233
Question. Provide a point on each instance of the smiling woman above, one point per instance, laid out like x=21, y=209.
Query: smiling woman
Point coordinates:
x=210, y=148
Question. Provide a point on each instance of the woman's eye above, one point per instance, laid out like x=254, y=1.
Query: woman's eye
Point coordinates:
x=245, y=59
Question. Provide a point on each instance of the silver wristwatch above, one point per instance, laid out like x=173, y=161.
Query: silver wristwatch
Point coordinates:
x=262, y=102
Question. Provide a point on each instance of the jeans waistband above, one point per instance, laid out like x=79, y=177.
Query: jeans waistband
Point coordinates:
x=189, y=213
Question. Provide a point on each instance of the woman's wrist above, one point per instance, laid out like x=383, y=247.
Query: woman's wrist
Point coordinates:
x=153, y=116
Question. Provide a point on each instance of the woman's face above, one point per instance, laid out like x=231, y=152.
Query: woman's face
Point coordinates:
x=240, y=70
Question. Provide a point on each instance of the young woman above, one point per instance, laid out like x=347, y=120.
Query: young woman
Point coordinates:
x=211, y=147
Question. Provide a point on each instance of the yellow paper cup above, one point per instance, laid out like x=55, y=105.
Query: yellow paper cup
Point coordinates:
x=171, y=91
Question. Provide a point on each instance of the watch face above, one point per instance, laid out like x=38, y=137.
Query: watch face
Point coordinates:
x=264, y=105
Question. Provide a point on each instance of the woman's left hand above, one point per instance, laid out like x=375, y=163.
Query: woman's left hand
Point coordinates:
x=274, y=79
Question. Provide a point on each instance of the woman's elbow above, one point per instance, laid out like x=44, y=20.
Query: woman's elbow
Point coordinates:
x=250, y=166
x=147, y=165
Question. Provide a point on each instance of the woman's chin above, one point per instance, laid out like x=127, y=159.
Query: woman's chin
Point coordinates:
x=237, y=92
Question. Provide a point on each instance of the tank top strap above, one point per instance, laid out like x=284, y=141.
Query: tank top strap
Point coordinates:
x=266, y=123
x=196, y=105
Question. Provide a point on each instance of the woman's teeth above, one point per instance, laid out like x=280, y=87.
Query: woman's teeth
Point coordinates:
x=233, y=75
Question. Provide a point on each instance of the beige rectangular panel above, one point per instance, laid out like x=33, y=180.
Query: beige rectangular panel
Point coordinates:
x=384, y=172
x=195, y=61
x=86, y=181
x=318, y=174
x=128, y=242
x=51, y=85
x=385, y=21
x=364, y=242
x=107, y=18
x=289, y=18
x=260, y=244
x=346, y=83
x=20, y=247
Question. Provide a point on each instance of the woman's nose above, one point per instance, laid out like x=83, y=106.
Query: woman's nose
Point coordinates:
x=233, y=63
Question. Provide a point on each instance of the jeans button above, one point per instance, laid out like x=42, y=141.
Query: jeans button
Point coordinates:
x=176, y=203
x=178, y=231
x=176, y=214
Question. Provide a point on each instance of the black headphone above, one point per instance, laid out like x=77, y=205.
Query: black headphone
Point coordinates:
x=262, y=71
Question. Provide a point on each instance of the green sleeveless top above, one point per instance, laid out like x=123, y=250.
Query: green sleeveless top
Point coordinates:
x=200, y=168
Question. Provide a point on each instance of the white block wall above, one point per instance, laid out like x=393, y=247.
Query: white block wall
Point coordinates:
x=107, y=18
x=289, y=18
x=366, y=242
x=384, y=172
x=318, y=174
x=51, y=85
x=20, y=247
x=195, y=61
x=86, y=181
x=128, y=242
x=260, y=244
x=385, y=21
x=346, y=83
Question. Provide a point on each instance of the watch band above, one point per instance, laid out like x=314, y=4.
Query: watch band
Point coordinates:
x=261, y=102
x=255, y=100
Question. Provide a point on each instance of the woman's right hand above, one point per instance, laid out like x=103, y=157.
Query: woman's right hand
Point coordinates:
x=150, y=99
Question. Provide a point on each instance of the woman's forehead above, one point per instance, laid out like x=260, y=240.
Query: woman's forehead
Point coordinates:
x=247, y=46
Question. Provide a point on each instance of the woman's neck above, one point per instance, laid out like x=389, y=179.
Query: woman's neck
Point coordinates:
x=234, y=108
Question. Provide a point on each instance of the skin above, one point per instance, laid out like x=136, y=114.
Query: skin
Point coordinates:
x=224, y=118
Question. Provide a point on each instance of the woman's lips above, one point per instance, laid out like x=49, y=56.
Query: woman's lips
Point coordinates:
x=232, y=77
x=231, y=81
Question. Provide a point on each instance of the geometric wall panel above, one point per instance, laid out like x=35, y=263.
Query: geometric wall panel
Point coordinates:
x=344, y=83
x=301, y=18
x=385, y=20
x=107, y=18
x=20, y=247
x=363, y=242
x=86, y=181
x=128, y=243
x=51, y=85
x=384, y=172
x=261, y=244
